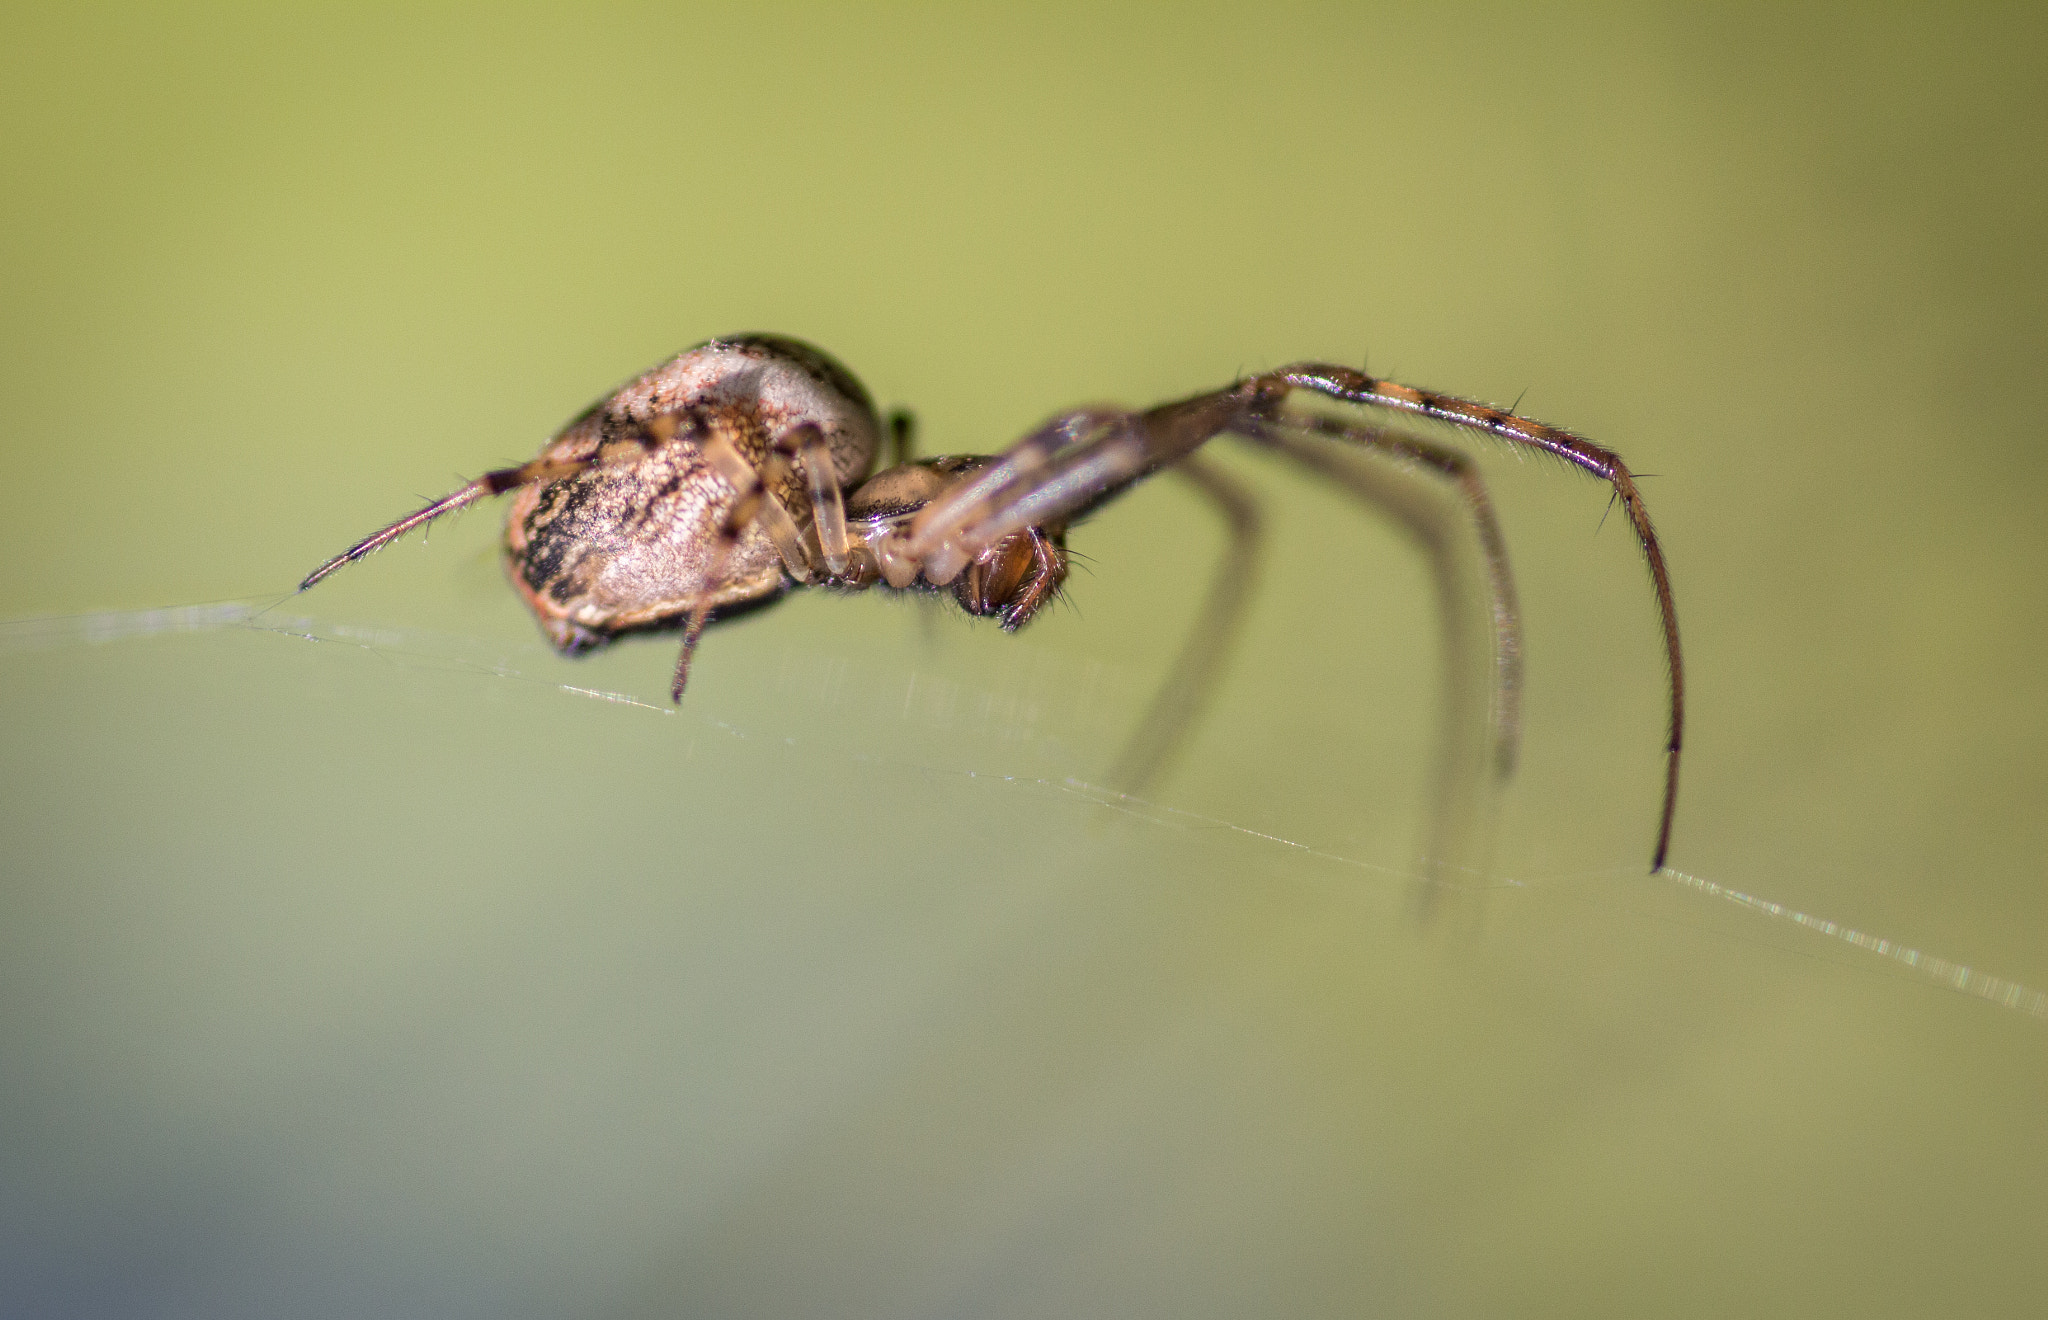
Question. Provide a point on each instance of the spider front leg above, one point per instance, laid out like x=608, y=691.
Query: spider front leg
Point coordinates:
x=1067, y=467
x=1073, y=464
x=1352, y=386
x=1085, y=458
x=1046, y=478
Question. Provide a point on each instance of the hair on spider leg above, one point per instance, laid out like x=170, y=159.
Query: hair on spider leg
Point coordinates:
x=1062, y=599
x=747, y=469
x=281, y=599
x=1609, y=508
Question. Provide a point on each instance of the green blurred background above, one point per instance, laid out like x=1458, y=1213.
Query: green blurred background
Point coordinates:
x=355, y=963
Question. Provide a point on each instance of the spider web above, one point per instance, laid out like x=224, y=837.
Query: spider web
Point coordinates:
x=1003, y=715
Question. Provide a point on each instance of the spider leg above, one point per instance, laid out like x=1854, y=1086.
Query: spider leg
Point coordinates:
x=1353, y=386
x=755, y=502
x=1083, y=460
x=693, y=631
x=543, y=468
x=1063, y=480
x=1192, y=680
x=1476, y=737
x=828, y=502
x=743, y=511
x=902, y=436
x=1459, y=468
x=1073, y=464
x=744, y=477
x=468, y=495
x=491, y=483
x=1042, y=478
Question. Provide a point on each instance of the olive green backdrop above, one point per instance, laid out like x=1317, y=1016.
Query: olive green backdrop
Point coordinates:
x=364, y=958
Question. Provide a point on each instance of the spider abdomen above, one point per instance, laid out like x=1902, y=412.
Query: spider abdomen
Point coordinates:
x=646, y=534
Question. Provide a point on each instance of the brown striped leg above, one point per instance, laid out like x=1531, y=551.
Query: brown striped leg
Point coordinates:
x=754, y=502
x=1354, y=386
x=742, y=476
x=1075, y=463
x=806, y=444
x=963, y=520
x=468, y=495
x=491, y=483
x=693, y=630
x=743, y=511
x=658, y=432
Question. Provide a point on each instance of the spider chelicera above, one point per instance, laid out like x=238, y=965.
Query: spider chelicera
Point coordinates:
x=741, y=468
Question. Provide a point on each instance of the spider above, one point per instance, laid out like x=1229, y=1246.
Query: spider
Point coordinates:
x=741, y=468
